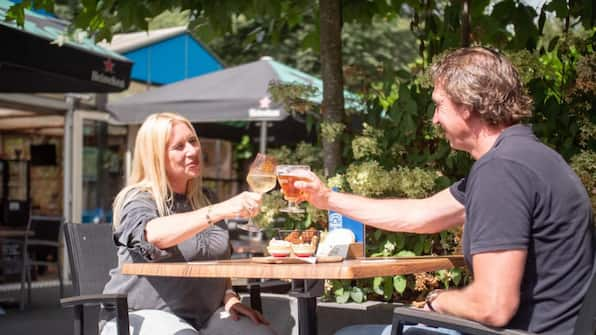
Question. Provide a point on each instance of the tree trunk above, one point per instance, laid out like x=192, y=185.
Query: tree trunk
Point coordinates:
x=465, y=24
x=331, y=72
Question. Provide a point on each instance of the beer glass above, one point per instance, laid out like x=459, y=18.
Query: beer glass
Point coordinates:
x=286, y=176
x=261, y=179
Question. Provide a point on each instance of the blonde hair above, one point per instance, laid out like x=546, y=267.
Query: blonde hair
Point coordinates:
x=149, y=168
x=485, y=81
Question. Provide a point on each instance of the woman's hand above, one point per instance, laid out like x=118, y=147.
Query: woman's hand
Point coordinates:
x=244, y=205
x=238, y=309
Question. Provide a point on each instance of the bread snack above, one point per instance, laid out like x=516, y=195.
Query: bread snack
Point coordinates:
x=295, y=242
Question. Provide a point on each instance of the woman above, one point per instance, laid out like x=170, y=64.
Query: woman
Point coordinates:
x=163, y=216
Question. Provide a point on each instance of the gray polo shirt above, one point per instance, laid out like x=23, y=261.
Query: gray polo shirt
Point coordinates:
x=193, y=299
x=523, y=195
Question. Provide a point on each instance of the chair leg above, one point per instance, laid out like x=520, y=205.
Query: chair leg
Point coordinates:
x=59, y=265
x=79, y=321
x=29, y=279
x=122, y=320
x=24, y=268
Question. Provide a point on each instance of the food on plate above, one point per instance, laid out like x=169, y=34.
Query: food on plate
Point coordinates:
x=303, y=249
x=295, y=243
x=279, y=248
x=294, y=237
x=297, y=237
x=308, y=235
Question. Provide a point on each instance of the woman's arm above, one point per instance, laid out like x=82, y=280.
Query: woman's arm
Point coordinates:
x=168, y=231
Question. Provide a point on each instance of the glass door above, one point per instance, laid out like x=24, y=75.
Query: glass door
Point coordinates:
x=98, y=165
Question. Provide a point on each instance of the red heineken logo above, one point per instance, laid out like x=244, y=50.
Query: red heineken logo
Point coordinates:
x=108, y=66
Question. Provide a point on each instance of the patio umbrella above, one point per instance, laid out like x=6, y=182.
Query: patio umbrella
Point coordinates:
x=238, y=93
x=31, y=62
x=235, y=94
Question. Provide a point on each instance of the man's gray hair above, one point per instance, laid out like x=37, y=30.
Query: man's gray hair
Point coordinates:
x=486, y=82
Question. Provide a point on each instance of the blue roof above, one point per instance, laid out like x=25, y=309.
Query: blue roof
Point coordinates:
x=171, y=59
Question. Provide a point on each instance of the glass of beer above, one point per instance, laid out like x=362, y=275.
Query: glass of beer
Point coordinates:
x=286, y=176
x=261, y=179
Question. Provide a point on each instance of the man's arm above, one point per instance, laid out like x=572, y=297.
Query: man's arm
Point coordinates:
x=493, y=296
x=430, y=215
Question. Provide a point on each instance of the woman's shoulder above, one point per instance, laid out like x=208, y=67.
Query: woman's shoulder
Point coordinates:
x=137, y=196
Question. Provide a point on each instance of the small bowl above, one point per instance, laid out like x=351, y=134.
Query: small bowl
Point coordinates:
x=279, y=252
x=279, y=248
x=303, y=250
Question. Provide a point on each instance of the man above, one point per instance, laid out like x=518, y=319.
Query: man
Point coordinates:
x=528, y=218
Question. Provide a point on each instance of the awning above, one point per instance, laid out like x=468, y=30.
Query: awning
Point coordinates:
x=31, y=63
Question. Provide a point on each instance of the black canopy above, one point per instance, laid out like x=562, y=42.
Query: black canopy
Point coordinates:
x=33, y=61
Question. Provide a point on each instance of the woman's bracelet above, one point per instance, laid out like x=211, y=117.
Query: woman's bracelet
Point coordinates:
x=208, y=216
x=235, y=299
x=231, y=291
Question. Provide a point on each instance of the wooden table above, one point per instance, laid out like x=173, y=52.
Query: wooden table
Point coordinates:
x=348, y=269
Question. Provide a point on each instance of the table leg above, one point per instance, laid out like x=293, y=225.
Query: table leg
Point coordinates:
x=306, y=292
x=307, y=316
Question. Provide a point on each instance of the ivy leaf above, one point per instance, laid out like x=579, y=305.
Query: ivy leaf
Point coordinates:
x=419, y=246
x=443, y=276
x=428, y=244
x=377, y=282
x=406, y=253
x=387, y=288
x=357, y=295
x=400, y=241
x=399, y=283
x=308, y=220
x=343, y=298
x=456, y=276
x=377, y=234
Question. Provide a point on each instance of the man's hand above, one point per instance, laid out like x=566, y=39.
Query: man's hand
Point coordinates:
x=313, y=191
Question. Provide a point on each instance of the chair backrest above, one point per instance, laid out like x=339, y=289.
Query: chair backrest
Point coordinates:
x=586, y=319
x=92, y=255
x=46, y=228
x=45, y=243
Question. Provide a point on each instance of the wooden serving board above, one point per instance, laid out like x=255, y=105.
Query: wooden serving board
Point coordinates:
x=295, y=260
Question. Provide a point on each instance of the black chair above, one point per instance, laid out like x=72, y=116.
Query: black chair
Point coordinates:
x=42, y=249
x=585, y=324
x=16, y=214
x=92, y=255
